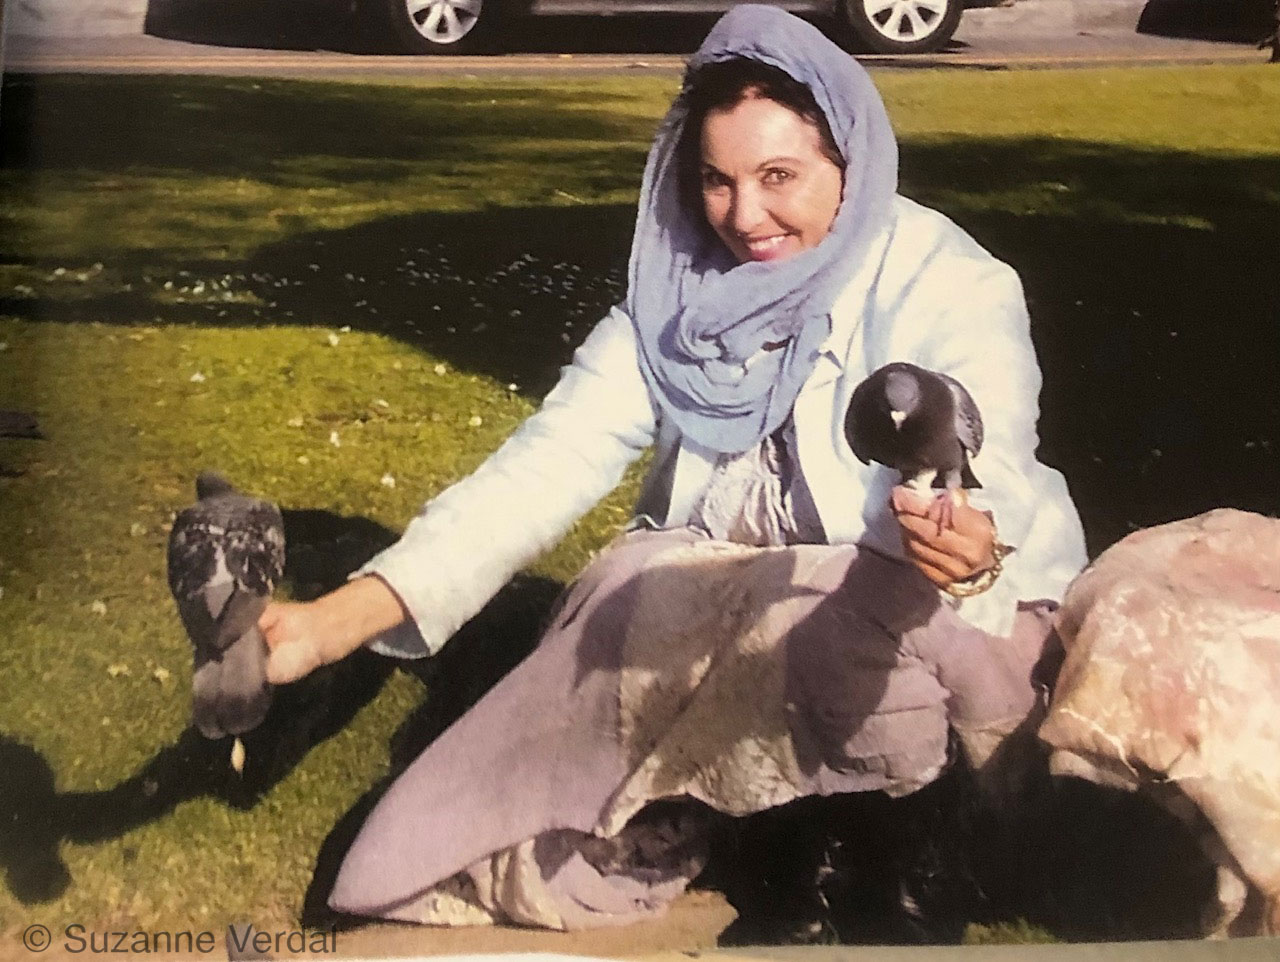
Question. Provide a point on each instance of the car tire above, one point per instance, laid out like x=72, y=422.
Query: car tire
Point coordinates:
x=902, y=26
x=436, y=26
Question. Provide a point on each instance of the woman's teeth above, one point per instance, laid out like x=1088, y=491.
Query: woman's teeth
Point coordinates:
x=766, y=245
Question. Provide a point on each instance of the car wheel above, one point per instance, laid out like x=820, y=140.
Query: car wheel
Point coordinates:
x=903, y=26
x=438, y=26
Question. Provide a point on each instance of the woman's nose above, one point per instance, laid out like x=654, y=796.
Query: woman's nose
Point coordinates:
x=748, y=211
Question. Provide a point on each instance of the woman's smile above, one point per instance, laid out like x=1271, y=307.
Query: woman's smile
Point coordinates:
x=767, y=248
x=768, y=189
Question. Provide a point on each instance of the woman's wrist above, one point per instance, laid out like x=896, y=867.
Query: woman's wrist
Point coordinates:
x=360, y=610
x=982, y=579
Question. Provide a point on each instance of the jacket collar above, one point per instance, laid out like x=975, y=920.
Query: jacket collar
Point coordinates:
x=851, y=307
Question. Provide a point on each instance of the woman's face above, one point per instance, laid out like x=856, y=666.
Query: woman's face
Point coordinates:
x=767, y=188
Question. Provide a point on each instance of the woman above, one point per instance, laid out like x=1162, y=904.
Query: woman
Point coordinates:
x=773, y=268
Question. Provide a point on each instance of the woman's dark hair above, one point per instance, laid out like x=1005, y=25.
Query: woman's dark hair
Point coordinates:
x=725, y=84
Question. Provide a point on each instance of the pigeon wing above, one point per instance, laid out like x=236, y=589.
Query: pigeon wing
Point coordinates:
x=193, y=567
x=240, y=613
x=968, y=423
x=254, y=546
x=857, y=419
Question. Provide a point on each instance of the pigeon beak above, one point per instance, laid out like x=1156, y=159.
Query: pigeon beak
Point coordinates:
x=898, y=418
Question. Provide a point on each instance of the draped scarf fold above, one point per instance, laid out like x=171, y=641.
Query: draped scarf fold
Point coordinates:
x=702, y=320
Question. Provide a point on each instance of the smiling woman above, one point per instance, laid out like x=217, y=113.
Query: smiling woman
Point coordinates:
x=769, y=626
x=769, y=173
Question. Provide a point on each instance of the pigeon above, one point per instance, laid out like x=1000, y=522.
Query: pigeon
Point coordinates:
x=923, y=424
x=226, y=556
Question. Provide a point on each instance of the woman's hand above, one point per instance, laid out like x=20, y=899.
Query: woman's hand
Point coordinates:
x=949, y=555
x=303, y=636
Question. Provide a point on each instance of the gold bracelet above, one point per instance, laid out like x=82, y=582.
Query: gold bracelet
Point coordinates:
x=984, y=579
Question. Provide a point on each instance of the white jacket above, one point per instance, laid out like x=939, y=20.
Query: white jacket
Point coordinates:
x=953, y=308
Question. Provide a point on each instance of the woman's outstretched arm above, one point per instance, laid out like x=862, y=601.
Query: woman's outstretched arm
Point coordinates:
x=469, y=540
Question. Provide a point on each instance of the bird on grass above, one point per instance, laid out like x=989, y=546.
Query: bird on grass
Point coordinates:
x=226, y=556
x=922, y=424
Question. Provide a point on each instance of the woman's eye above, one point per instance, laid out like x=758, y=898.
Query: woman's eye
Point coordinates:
x=777, y=175
x=712, y=179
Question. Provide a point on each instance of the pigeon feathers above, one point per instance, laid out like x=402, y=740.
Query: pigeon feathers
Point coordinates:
x=921, y=423
x=226, y=556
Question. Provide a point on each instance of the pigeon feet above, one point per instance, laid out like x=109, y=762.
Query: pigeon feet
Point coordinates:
x=942, y=511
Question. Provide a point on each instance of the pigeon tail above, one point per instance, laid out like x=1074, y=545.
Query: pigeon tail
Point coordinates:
x=230, y=693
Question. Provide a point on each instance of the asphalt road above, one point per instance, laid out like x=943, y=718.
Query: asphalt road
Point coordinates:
x=987, y=39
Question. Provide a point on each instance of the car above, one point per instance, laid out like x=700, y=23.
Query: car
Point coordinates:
x=472, y=26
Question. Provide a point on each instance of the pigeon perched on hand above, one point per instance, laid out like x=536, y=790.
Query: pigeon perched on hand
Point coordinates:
x=226, y=555
x=923, y=424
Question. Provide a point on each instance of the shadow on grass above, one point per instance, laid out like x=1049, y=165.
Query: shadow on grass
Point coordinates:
x=231, y=127
x=1150, y=275
x=35, y=818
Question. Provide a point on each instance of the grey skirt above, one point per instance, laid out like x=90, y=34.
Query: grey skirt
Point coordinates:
x=679, y=667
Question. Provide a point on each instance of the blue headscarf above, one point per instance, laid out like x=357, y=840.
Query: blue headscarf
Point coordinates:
x=699, y=316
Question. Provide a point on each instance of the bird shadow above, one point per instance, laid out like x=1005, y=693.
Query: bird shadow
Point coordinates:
x=322, y=549
x=35, y=817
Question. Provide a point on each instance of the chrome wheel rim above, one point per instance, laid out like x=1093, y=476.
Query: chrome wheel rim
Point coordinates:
x=905, y=21
x=444, y=21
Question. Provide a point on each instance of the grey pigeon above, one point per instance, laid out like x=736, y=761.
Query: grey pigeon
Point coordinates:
x=921, y=423
x=226, y=555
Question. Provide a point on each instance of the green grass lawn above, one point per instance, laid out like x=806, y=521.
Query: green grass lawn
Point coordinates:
x=345, y=296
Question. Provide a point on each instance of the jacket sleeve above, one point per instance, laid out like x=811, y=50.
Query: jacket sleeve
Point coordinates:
x=983, y=340
x=467, y=542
